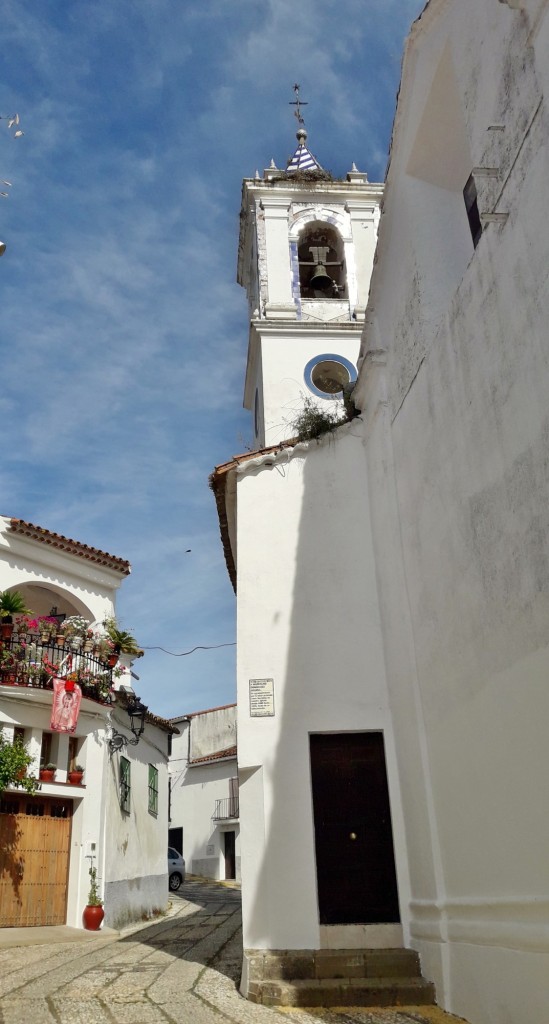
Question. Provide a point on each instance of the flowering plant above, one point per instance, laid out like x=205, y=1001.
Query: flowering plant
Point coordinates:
x=103, y=646
x=39, y=624
x=47, y=626
x=8, y=660
x=75, y=627
x=124, y=642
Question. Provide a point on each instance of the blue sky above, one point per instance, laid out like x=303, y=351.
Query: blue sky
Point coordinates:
x=123, y=333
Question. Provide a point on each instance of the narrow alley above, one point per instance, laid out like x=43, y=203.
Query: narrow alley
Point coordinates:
x=183, y=969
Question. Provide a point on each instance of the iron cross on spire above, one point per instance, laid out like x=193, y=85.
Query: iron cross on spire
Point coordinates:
x=297, y=103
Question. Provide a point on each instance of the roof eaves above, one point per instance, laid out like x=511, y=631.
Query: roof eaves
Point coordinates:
x=218, y=484
x=71, y=547
x=228, y=754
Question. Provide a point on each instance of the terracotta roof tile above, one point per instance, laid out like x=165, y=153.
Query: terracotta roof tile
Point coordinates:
x=218, y=756
x=218, y=483
x=72, y=547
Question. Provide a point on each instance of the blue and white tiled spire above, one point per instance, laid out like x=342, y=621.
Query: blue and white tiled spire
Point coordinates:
x=303, y=159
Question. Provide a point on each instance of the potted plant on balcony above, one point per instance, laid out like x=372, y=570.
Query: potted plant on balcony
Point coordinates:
x=93, y=911
x=124, y=642
x=75, y=775
x=11, y=603
x=75, y=630
x=8, y=667
x=47, y=628
x=47, y=774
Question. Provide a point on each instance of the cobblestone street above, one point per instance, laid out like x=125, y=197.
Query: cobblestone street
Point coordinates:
x=183, y=969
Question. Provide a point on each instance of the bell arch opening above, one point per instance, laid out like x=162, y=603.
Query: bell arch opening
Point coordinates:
x=320, y=254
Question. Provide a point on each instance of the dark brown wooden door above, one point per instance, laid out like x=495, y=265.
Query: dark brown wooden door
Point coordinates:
x=34, y=860
x=355, y=861
x=230, y=854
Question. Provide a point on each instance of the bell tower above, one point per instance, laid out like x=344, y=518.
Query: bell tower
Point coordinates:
x=305, y=257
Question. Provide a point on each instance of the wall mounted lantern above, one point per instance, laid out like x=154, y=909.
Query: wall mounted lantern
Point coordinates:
x=137, y=712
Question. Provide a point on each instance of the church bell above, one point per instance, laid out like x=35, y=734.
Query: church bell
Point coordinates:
x=320, y=280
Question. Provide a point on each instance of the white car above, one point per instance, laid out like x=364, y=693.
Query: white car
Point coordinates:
x=176, y=869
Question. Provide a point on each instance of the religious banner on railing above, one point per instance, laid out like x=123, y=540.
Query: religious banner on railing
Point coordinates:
x=67, y=696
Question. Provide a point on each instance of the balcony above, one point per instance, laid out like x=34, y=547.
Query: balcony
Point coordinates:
x=225, y=809
x=31, y=661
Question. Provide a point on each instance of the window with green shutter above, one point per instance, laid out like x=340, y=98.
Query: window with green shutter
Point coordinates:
x=125, y=784
x=153, y=789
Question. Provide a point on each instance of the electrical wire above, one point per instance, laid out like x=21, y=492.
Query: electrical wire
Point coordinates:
x=183, y=654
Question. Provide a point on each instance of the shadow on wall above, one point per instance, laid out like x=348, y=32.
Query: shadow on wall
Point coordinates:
x=11, y=862
x=325, y=642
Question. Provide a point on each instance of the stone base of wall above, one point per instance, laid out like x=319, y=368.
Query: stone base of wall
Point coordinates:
x=334, y=977
x=135, y=899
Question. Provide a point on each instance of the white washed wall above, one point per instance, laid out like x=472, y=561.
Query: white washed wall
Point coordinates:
x=136, y=880
x=194, y=794
x=457, y=456
x=306, y=591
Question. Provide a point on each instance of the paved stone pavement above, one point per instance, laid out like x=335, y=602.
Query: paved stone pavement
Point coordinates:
x=183, y=969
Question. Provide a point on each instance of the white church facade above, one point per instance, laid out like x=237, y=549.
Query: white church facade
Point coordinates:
x=324, y=865
x=453, y=386
x=391, y=576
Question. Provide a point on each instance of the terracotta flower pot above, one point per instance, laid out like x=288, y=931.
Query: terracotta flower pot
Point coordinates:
x=47, y=775
x=92, y=918
x=6, y=629
x=75, y=778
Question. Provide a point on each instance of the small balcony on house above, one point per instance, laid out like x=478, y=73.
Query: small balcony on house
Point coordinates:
x=226, y=809
x=31, y=660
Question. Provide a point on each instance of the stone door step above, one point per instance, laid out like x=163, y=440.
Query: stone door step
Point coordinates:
x=336, y=977
x=343, y=992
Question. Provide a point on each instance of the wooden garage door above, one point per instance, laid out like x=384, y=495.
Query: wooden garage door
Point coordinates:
x=34, y=860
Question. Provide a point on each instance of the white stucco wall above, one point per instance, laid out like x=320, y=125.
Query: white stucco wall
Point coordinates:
x=303, y=554
x=195, y=791
x=31, y=710
x=284, y=356
x=195, y=788
x=129, y=853
x=456, y=440
x=135, y=857
x=212, y=731
x=287, y=330
x=29, y=565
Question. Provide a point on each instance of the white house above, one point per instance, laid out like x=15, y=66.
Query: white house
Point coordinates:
x=115, y=818
x=204, y=807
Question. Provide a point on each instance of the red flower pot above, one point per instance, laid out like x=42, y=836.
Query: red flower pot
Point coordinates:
x=75, y=778
x=92, y=918
x=46, y=775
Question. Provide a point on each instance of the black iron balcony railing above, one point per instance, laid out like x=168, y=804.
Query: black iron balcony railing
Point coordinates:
x=30, y=661
x=227, y=808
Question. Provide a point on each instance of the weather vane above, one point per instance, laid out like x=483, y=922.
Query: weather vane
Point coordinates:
x=298, y=104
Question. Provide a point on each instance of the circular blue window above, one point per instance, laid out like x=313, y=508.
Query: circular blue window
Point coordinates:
x=327, y=375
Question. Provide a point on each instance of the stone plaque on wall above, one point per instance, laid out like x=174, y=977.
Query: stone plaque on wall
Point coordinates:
x=262, y=698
